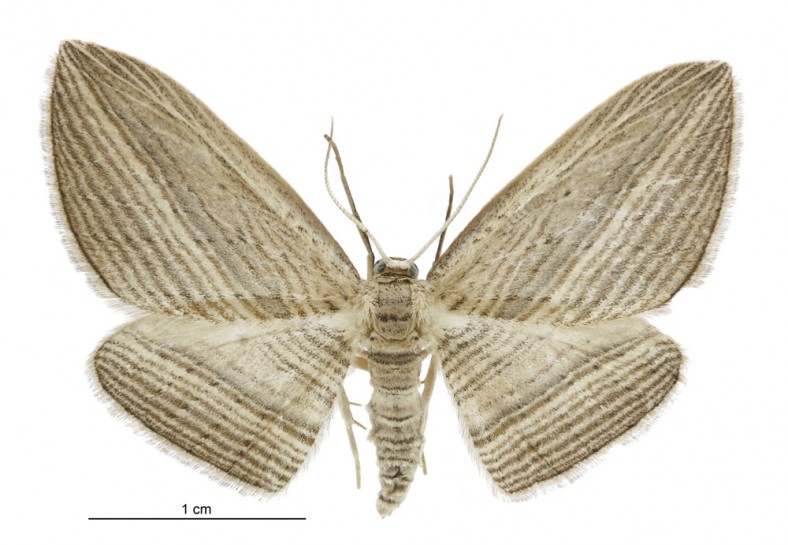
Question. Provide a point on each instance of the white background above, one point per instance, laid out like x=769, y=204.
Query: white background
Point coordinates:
x=415, y=89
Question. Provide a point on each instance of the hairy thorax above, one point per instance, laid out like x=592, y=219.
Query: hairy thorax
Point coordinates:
x=392, y=346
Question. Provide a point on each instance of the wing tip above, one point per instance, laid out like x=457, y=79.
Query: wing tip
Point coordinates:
x=713, y=73
x=67, y=45
x=75, y=46
x=83, y=57
x=68, y=58
x=720, y=69
x=69, y=48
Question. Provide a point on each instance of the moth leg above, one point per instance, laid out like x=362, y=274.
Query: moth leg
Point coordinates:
x=347, y=416
x=429, y=381
x=426, y=395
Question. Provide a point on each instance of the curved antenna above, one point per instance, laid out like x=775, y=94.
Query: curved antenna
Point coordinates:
x=349, y=195
x=464, y=199
x=448, y=215
x=366, y=235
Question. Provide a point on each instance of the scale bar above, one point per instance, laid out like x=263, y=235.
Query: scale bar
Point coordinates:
x=196, y=518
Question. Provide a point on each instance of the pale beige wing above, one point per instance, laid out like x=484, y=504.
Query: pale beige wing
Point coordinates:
x=172, y=210
x=538, y=399
x=613, y=218
x=250, y=398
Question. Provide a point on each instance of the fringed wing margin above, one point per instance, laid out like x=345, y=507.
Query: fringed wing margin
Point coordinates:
x=537, y=400
x=172, y=210
x=249, y=398
x=614, y=218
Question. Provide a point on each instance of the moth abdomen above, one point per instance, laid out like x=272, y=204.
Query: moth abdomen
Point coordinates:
x=397, y=415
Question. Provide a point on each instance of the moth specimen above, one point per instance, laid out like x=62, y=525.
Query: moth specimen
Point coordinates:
x=255, y=313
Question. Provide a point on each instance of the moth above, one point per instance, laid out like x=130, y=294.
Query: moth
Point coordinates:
x=255, y=314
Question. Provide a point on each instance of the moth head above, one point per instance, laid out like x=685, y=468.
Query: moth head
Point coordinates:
x=396, y=267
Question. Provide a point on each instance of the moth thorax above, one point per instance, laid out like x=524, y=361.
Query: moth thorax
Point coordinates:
x=393, y=316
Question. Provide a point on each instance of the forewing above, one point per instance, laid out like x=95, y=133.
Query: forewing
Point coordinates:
x=613, y=218
x=250, y=398
x=538, y=399
x=172, y=210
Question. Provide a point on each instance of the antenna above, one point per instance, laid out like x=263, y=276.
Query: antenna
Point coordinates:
x=464, y=199
x=354, y=216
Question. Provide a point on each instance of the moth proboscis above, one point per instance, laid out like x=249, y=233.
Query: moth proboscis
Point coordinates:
x=255, y=313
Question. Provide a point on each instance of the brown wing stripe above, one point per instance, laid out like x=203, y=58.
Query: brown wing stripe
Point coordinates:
x=245, y=427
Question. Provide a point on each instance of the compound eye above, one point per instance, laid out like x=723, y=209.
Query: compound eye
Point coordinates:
x=379, y=266
x=413, y=271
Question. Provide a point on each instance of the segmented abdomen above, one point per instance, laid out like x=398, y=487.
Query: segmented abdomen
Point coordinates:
x=397, y=416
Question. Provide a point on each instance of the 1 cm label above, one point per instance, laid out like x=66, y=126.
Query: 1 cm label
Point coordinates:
x=196, y=509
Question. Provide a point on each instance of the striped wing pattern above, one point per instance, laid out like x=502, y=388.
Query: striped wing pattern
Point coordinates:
x=537, y=399
x=538, y=341
x=250, y=398
x=533, y=304
x=613, y=218
x=242, y=361
x=172, y=210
